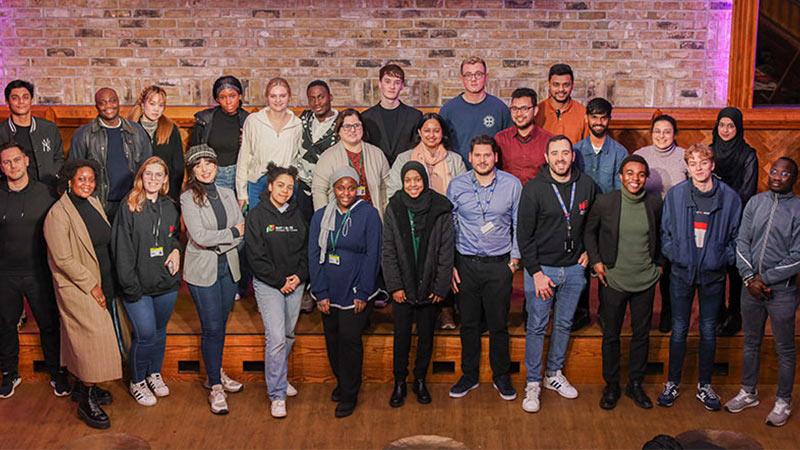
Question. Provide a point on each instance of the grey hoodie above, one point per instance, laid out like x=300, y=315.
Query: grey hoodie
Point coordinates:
x=769, y=239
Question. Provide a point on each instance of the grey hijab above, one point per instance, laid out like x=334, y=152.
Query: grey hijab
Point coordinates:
x=328, y=223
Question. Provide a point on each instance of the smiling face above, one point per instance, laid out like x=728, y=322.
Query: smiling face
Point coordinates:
x=560, y=157
x=280, y=190
x=390, y=87
x=14, y=163
x=351, y=131
x=474, y=77
x=278, y=98
x=522, y=112
x=663, y=134
x=483, y=159
x=205, y=170
x=19, y=101
x=83, y=183
x=726, y=129
x=153, y=107
x=598, y=124
x=560, y=87
x=319, y=100
x=413, y=184
x=782, y=177
x=700, y=169
x=345, y=192
x=431, y=133
x=154, y=178
x=106, y=102
x=633, y=177
x=229, y=100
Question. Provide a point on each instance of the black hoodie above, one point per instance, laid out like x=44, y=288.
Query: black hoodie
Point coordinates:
x=276, y=243
x=541, y=225
x=22, y=245
x=136, y=238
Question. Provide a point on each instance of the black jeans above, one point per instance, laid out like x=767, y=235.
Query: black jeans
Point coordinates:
x=343, y=329
x=405, y=315
x=485, y=289
x=38, y=289
x=614, y=303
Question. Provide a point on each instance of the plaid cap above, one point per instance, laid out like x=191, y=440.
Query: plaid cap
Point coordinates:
x=196, y=152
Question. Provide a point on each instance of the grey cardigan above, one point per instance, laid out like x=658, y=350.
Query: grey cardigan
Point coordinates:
x=205, y=241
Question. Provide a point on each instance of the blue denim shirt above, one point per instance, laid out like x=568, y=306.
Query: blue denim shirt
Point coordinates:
x=499, y=200
x=602, y=167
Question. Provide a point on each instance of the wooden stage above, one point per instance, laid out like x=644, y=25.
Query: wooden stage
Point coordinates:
x=243, y=358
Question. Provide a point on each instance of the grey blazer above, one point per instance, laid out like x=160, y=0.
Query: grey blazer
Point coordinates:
x=205, y=241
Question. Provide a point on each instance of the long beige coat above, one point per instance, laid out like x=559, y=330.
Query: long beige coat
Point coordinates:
x=88, y=343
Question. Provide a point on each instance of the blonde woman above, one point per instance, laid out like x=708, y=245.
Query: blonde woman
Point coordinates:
x=147, y=255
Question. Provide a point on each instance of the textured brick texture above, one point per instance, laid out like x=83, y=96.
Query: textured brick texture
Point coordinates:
x=636, y=53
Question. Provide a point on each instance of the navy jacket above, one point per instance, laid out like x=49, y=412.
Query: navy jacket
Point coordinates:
x=708, y=264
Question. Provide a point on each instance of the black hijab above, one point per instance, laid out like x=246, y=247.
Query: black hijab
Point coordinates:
x=730, y=157
x=420, y=205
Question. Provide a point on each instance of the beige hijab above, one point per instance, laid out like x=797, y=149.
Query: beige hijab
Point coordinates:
x=435, y=164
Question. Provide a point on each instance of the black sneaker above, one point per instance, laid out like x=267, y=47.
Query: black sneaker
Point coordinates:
x=10, y=382
x=503, y=386
x=60, y=384
x=462, y=387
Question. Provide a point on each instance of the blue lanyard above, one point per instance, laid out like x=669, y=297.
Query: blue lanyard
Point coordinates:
x=567, y=212
x=478, y=197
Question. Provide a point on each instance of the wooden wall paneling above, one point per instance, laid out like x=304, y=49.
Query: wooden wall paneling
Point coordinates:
x=741, y=68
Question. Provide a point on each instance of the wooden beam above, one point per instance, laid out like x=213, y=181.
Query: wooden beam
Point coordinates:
x=744, y=30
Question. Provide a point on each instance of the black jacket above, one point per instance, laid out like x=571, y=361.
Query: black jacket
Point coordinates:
x=172, y=154
x=376, y=133
x=601, y=237
x=22, y=214
x=132, y=239
x=202, y=125
x=276, y=243
x=91, y=142
x=398, y=252
x=48, y=150
x=541, y=226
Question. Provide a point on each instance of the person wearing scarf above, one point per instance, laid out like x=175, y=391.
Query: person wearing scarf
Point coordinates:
x=344, y=257
x=736, y=163
x=417, y=265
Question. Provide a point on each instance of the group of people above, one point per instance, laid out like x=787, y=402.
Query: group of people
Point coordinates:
x=335, y=208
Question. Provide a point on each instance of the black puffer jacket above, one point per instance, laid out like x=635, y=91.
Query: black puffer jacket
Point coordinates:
x=398, y=252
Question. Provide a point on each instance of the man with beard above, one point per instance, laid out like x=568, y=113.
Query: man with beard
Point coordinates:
x=622, y=239
x=552, y=212
x=118, y=145
x=523, y=146
x=768, y=258
x=38, y=138
x=485, y=202
x=598, y=155
x=560, y=113
x=474, y=112
x=391, y=124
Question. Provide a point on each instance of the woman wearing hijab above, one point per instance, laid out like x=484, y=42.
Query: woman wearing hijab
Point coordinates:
x=343, y=257
x=736, y=163
x=417, y=266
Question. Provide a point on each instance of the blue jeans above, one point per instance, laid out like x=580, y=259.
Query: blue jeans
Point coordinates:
x=149, y=317
x=711, y=297
x=226, y=177
x=213, y=304
x=279, y=313
x=569, y=281
x=254, y=191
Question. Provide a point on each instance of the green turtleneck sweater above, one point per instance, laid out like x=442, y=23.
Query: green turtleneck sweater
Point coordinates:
x=634, y=270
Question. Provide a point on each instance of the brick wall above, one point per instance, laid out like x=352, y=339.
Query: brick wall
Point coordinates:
x=636, y=53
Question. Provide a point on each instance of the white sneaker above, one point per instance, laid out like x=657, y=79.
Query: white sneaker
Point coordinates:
x=780, y=413
x=228, y=383
x=216, y=398
x=142, y=394
x=278, y=409
x=291, y=391
x=742, y=401
x=560, y=384
x=157, y=385
x=531, y=401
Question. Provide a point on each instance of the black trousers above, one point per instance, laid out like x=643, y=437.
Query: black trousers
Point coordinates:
x=38, y=289
x=485, y=290
x=405, y=315
x=343, y=329
x=614, y=303
x=663, y=287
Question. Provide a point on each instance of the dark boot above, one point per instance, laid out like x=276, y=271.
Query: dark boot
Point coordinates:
x=635, y=391
x=102, y=396
x=398, y=394
x=610, y=396
x=89, y=409
x=419, y=388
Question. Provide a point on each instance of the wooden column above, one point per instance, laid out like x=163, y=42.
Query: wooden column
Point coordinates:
x=744, y=27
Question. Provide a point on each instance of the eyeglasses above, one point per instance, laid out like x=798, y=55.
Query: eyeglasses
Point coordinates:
x=473, y=75
x=154, y=175
x=782, y=173
x=352, y=127
x=522, y=109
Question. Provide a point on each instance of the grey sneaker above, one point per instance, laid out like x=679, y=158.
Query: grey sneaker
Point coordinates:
x=780, y=413
x=742, y=401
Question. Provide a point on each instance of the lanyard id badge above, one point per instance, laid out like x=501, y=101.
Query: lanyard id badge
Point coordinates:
x=487, y=226
x=156, y=252
x=569, y=243
x=334, y=259
x=361, y=191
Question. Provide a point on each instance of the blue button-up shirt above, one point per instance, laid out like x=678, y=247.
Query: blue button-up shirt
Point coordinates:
x=603, y=167
x=499, y=202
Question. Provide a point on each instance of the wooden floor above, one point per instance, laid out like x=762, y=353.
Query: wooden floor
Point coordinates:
x=34, y=419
